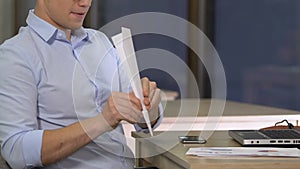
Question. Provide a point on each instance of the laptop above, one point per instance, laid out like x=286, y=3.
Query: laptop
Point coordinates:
x=279, y=137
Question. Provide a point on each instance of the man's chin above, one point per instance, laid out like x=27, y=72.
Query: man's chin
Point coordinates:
x=75, y=27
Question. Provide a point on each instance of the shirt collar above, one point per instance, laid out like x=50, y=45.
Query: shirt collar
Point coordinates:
x=48, y=31
x=80, y=33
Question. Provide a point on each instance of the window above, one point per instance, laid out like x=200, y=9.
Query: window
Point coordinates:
x=258, y=43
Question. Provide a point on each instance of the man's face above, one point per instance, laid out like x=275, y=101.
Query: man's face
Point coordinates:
x=66, y=14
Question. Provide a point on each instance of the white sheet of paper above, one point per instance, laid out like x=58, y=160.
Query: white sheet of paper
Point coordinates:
x=124, y=45
x=244, y=151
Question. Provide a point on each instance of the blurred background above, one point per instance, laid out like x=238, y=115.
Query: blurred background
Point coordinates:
x=257, y=41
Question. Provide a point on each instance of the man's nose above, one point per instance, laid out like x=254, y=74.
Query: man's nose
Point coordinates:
x=86, y=3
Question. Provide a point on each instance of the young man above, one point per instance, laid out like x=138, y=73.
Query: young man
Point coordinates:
x=63, y=94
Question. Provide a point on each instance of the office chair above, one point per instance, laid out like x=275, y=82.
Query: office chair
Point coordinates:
x=3, y=164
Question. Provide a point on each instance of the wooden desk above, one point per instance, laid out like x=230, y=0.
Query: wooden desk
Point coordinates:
x=185, y=107
x=236, y=115
x=191, y=114
x=173, y=157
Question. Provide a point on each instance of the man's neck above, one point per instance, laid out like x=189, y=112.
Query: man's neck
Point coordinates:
x=68, y=34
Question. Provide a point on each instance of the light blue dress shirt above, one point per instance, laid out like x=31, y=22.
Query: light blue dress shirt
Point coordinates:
x=48, y=82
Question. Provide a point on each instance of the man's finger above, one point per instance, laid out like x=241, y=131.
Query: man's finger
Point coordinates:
x=152, y=92
x=156, y=97
x=146, y=86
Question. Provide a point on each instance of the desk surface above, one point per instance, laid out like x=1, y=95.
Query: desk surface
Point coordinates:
x=158, y=152
x=192, y=114
x=185, y=108
x=236, y=116
x=165, y=151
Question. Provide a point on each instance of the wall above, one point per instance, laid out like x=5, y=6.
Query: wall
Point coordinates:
x=22, y=7
x=258, y=42
x=163, y=47
x=13, y=14
x=6, y=19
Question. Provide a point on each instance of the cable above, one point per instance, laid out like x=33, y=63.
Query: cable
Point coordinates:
x=290, y=125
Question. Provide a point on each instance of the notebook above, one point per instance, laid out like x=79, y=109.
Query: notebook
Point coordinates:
x=280, y=137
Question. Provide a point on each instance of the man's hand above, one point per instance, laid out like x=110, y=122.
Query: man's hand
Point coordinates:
x=151, y=100
x=123, y=106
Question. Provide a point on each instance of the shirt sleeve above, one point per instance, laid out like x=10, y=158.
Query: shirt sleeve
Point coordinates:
x=19, y=135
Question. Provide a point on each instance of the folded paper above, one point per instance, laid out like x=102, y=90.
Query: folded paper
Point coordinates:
x=124, y=45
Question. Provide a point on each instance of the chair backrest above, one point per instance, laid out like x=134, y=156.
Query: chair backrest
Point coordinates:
x=3, y=164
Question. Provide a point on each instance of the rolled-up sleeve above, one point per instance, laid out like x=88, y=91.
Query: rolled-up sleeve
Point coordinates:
x=20, y=137
x=23, y=150
x=32, y=144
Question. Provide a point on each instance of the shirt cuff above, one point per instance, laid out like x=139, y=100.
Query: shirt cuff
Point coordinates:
x=146, y=130
x=32, y=146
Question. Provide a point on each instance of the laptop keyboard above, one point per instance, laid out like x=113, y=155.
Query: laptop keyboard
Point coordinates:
x=252, y=135
x=281, y=134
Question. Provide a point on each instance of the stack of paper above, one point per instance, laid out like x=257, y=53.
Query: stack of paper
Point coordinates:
x=244, y=151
